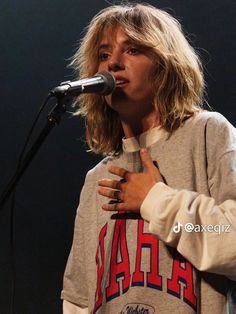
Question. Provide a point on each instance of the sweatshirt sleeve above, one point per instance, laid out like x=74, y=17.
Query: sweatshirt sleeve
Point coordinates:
x=202, y=231
x=75, y=281
x=201, y=227
x=70, y=308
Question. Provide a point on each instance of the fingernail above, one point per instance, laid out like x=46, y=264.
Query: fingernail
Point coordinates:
x=143, y=150
x=155, y=163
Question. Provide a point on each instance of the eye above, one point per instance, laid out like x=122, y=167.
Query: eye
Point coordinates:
x=103, y=56
x=133, y=50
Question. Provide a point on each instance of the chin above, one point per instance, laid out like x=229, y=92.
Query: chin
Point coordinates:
x=116, y=99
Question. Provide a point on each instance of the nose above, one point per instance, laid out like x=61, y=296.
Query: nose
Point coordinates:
x=116, y=63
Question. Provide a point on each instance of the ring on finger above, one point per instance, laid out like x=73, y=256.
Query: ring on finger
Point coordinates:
x=117, y=196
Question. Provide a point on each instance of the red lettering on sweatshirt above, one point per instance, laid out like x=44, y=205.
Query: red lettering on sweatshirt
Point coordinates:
x=119, y=263
x=182, y=274
x=147, y=240
x=120, y=268
x=100, y=268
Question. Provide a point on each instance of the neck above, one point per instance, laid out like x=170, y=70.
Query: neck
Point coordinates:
x=134, y=127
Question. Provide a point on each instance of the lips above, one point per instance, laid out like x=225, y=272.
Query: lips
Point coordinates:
x=121, y=81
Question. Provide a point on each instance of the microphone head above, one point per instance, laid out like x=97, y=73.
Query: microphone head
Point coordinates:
x=109, y=82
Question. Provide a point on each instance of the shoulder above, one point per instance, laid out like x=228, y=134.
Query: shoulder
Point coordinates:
x=207, y=129
x=208, y=117
x=211, y=123
x=96, y=173
x=91, y=178
x=101, y=169
x=201, y=125
x=218, y=134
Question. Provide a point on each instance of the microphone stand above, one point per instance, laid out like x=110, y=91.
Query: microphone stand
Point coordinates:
x=53, y=118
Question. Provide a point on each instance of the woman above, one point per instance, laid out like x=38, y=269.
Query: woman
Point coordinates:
x=169, y=165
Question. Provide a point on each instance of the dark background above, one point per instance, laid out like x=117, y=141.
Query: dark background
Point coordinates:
x=36, y=39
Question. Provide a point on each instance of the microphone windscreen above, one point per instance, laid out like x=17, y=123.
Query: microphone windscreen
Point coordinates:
x=109, y=82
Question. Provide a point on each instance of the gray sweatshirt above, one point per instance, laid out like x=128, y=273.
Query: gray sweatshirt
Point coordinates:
x=127, y=263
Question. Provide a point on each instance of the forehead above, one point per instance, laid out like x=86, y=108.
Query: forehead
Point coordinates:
x=114, y=35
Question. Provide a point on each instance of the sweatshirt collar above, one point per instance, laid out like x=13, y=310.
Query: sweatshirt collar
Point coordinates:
x=146, y=139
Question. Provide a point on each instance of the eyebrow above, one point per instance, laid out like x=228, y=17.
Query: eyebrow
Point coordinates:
x=104, y=46
x=124, y=43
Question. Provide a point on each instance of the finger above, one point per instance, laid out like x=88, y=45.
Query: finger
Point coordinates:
x=111, y=206
x=114, y=206
x=114, y=194
x=114, y=184
x=146, y=159
x=115, y=201
x=121, y=172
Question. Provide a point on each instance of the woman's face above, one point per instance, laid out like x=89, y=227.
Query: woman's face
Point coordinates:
x=132, y=66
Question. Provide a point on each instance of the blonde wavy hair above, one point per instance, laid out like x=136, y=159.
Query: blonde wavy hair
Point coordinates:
x=178, y=76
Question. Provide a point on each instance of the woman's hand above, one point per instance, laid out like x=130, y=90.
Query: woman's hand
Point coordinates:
x=129, y=192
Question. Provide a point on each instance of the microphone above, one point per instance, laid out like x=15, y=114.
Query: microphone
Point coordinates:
x=102, y=83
